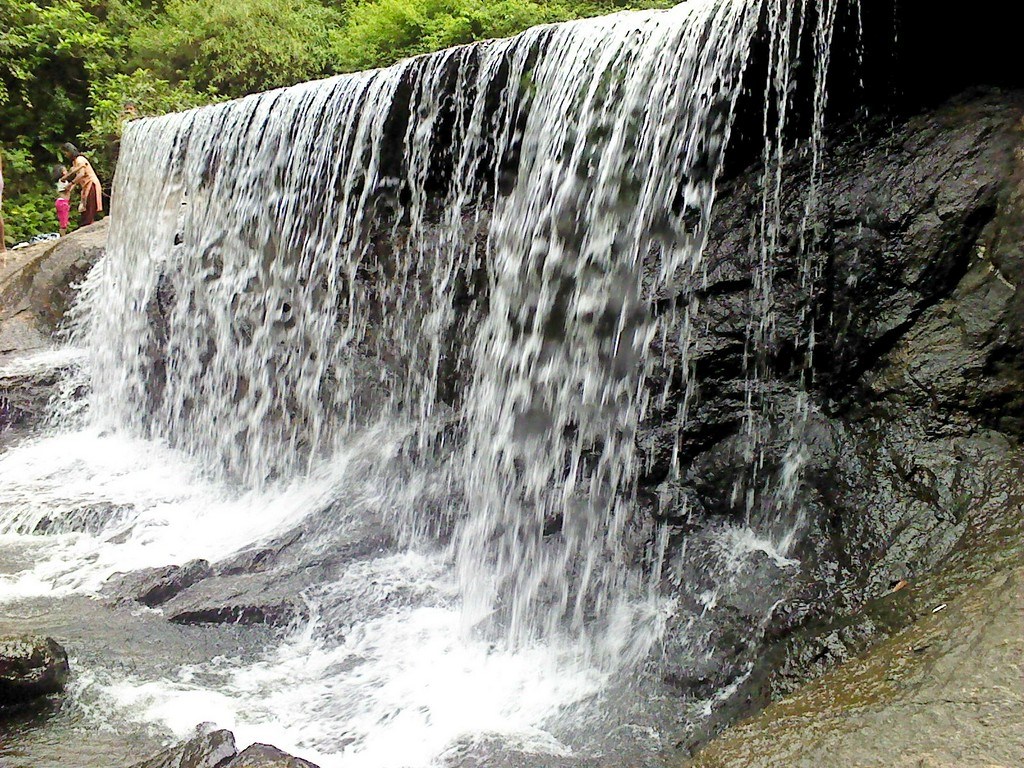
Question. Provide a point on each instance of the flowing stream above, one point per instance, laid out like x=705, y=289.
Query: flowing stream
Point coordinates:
x=406, y=307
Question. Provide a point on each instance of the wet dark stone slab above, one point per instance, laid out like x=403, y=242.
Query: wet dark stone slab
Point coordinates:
x=155, y=586
x=266, y=756
x=31, y=667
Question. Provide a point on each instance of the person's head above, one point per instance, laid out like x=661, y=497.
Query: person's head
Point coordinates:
x=70, y=150
x=57, y=171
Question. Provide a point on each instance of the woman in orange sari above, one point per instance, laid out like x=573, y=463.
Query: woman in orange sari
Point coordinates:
x=82, y=174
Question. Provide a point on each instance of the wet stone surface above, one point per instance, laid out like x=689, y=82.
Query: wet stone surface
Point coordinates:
x=216, y=749
x=30, y=667
x=944, y=692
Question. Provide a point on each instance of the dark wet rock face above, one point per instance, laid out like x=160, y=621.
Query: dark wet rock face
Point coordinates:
x=217, y=749
x=912, y=433
x=30, y=667
x=24, y=397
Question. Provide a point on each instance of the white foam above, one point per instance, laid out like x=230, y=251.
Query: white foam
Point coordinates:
x=42, y=361
x=740, y=541
x=167, y=513
x=391, y=692
x=381, y=675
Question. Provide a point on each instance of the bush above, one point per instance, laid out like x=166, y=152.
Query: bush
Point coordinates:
x=29, y=214
x=238, y=46
x=122, y=97
x=380, y=32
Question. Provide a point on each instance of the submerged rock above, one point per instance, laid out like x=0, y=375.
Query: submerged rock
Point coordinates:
x=155, y=586
x=207, y=750
x=243, y=599
x=31, y=667
x=216, y=749
x=265, y=584
x=498, y=755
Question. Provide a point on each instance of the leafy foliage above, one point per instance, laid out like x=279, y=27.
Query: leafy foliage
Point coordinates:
x=77, y=71
x=121, y=97
x=28, y=215
x=238, y=46
x=380, y=32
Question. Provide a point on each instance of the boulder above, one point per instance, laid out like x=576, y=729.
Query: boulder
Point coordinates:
x=212, y=749
x=216, y=749
x=266, y=756
x=62, y=269
x=155, y=586
x=944, y=691
x=37, y=287
x=31, y=667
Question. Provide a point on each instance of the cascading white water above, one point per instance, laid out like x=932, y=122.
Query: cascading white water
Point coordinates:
x=422, y=292
x=314, y=284
x=588, y=232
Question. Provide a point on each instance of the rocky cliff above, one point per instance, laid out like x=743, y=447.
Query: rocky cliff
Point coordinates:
x=911, y=441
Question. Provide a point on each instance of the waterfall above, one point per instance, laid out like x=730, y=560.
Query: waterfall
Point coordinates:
x=468, y=237
x=439, y=276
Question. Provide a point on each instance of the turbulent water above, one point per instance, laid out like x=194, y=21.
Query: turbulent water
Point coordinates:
x=410, y=304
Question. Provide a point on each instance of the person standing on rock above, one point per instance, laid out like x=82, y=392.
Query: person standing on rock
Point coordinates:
x=82, y=175
x=63, y=201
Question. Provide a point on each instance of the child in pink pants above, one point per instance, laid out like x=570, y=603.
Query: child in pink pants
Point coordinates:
x=63, y=205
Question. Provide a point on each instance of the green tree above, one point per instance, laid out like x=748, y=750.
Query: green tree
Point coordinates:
x=380, y=32
x=237, y=46
x=46, y=54
x=119, y=98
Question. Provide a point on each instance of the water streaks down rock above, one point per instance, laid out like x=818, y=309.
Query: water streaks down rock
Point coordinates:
x=910, y=430
x=478, y=306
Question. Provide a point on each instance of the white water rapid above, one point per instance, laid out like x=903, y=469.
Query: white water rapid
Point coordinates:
x=404, y=313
